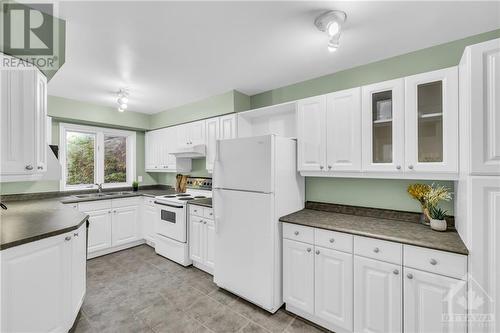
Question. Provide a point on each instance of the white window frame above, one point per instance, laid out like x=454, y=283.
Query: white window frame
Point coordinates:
x=99, y=133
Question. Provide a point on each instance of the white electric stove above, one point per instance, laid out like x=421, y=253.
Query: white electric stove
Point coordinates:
x=171, y=225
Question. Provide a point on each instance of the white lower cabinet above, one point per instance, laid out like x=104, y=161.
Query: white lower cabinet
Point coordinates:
x=113, y=225
x=349, y=283
x=202, y=238
x=432, y=302
x=43, y=283
x=377, y=296
x=298, y=275
x=148, y=220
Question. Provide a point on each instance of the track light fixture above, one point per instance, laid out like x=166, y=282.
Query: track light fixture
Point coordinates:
x=122, y=99
x=331, y=23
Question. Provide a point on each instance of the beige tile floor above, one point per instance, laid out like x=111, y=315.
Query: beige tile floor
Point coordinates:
x=136, y=290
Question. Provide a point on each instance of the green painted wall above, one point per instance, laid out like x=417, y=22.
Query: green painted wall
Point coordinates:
x=232, y=101
x=436, y=57
x=73, y=111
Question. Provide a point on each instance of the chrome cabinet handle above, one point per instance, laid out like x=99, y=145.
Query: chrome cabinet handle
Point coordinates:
x=376, y=250
x=317, y=252
x=332, y=240
x=67, y=238
x=396, y=272
x=410, y=167
x=29, y=167
x=75, y=234
x=410, y=276
x=433, y=261
x=398, y=167
x=40, y=167
x=296, y=233
x=308, y=249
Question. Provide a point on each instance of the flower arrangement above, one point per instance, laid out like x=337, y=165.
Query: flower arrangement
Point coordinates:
x=429, y=196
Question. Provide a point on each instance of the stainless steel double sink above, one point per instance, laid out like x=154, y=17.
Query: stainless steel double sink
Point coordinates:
x=101, y=195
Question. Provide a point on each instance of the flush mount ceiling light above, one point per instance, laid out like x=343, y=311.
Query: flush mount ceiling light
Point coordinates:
x=122, y=99
x=331, y=23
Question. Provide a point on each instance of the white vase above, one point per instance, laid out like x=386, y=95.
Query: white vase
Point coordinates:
x=438, y=225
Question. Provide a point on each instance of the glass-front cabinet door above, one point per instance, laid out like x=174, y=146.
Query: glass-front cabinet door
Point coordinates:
x=431, y=121
x=383, y=126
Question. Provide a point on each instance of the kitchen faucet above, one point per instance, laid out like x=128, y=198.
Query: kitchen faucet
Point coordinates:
x=99, y=188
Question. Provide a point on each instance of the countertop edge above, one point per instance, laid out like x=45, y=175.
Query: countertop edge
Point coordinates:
x=381, y=237
x=42, y=236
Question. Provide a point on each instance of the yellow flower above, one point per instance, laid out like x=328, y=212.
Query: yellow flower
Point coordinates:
x=419, y=191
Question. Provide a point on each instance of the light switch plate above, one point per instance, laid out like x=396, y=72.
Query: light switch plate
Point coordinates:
x=139, y=179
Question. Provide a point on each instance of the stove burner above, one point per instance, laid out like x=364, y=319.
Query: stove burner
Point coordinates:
x=186, y=198
x=169, y=196
x=183, y=195
x=200, y=197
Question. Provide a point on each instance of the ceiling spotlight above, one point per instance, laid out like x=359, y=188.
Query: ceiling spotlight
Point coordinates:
x=120, y=109
x=122, y=99
x=331, y=23
x=123, y=106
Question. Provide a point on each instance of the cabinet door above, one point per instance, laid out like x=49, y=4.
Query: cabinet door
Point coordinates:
x=484, y=82
x=163, y=144
x=209, y=243
x=298, y=275
x=311, y=140
x=343, y=130
x=41, y=122
x=36, y=286
x=148, y=218
x=333, y=293
x=17, y=144
x=383, y=126
x=182, y=133
x=99, y=230
x=432, y=302
x=196, y=132
x=78, y=269
x=431, y=121
x=124, y=225
x=377, y=296
x=212, y=129
x=228, y=127
x=149, y=151
x=196, y=239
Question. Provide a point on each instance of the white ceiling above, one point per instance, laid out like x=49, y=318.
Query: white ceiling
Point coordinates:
x=173, y=53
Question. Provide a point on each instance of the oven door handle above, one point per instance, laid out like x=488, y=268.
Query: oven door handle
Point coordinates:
x=164, y=204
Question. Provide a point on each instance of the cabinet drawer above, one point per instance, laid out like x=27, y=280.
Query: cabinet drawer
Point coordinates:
x=196, y=210
x=125, y=202
x=89, y=206
x=333, y=240
x=208, y=213
x=298, y=232
x=149, y=201
x=378, y=249
x=434, y=261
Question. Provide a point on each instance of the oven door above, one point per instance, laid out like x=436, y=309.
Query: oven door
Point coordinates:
x=171, y=221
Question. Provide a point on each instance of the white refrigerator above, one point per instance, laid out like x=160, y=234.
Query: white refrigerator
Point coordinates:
x=255, y=182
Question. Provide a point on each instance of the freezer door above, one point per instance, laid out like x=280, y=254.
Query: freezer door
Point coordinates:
x=245, y=164
x=244, y=245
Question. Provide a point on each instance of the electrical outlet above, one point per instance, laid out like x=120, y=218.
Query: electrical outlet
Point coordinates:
x=139, y=179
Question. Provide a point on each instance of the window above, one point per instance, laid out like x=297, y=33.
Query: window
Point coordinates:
x=94, y=155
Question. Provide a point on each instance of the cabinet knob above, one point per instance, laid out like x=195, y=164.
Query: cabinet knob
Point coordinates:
x=308, y=249
x=433, y=261
x=329, y=167
x=332, y=240
x=317, y=252
x=109, y=212
x=40, y=167
x=211, y=214
x=204, y=222
x=67, y=238
x=396, y=272
x=296, y=233
x=376, y=250
x=29, y=167
x=410, y=276
x=75, y=234
x=398, y=167
x=321, y=167
x=114, y=211
x=410, y=167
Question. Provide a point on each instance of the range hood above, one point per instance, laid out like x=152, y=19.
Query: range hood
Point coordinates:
x=190, y=151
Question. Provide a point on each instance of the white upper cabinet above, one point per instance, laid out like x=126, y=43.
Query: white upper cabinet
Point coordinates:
x=383, y=126
x=311, y=136
x=343, y=130
x=212, y=132
x=159, y=146
x=377, y=296
x=431, y=121
x=23, y=115
x=191, y=133
x=227, y=126
x=480, y=109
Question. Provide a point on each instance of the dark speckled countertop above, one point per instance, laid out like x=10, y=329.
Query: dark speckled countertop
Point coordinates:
x=205, y=202
x=31, y=220
x=386, y=229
